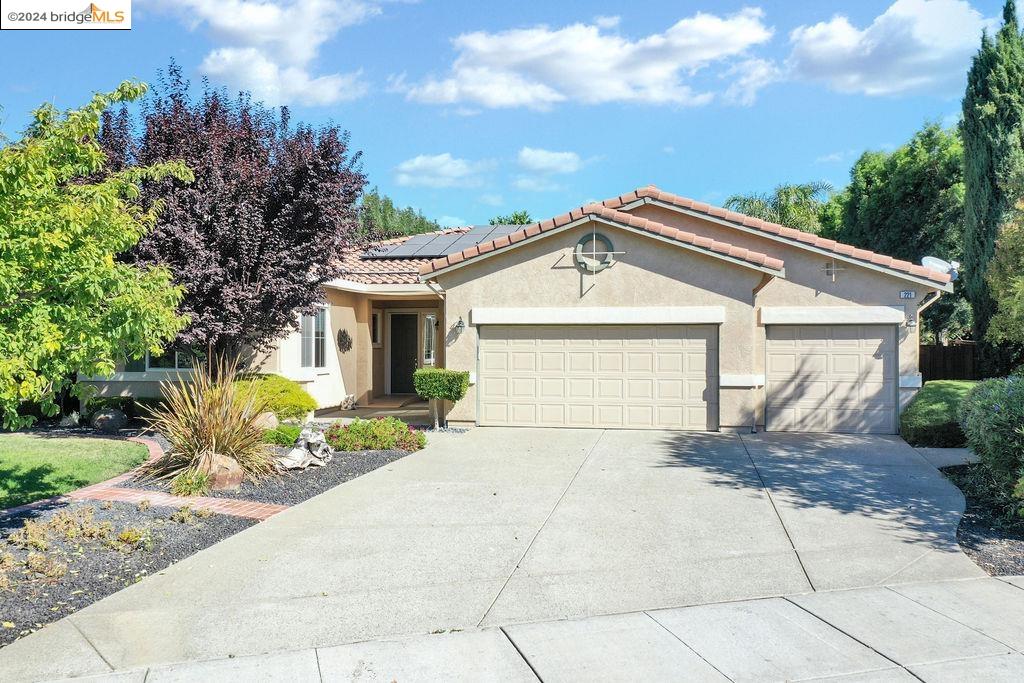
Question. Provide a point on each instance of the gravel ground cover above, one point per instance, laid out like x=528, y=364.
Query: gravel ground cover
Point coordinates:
x=57, y=560
x=995, y=545
x=290, y=488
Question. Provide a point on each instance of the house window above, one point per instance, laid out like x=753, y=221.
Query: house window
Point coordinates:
x=170, y=359
x=314, y=339
x=429, y=333
x=376, y=323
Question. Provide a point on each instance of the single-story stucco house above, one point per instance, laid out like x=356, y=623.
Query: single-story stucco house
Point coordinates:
x=647, y=310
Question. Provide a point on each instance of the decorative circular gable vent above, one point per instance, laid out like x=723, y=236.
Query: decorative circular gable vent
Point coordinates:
x=593, y=253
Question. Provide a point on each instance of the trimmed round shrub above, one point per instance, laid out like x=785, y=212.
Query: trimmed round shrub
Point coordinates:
x=992, y=417
x=283, y=397
x=378, y=434
x=441, y=383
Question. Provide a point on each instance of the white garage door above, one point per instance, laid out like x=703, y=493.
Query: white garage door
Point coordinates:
x=831, y=378
x=627, y=376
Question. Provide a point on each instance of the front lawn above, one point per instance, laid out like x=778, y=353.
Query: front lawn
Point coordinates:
x=35, y=466
x=930, y=419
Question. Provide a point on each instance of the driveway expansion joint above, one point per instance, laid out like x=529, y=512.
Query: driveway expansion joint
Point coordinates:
x=775, y=509
x=543, y=524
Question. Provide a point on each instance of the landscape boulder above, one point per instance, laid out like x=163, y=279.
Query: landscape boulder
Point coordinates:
x=225, y=473
x=266, y=420
x=109, y=420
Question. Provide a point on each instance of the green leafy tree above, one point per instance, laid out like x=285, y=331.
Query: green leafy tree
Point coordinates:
x=379, y=218
x=1005, y=278
x=67, y=304
x=796, y=206
x=521, y=217
x=910, y=203
x=993, y=135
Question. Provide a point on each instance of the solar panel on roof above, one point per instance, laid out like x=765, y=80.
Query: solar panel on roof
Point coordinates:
x=438, y=246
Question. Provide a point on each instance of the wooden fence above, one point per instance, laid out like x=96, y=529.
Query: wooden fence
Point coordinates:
x=948, y=362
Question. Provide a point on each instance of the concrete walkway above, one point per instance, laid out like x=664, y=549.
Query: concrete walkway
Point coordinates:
x=498, y=527
x=937, y=631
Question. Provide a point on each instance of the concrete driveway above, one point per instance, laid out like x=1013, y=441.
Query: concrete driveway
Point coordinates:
x=502, y=526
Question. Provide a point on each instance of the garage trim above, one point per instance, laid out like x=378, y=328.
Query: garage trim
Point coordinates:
x=599, y=315
x=832, y=315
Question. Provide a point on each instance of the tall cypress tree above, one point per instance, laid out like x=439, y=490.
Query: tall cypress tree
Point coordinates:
x=993, y=137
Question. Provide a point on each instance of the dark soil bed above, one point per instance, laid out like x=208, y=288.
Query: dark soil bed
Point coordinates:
x=294, y=487
x=99, y=549
x=994, y=543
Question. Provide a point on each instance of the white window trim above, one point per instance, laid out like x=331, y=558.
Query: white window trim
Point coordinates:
x=377, y=329
x=314, y=368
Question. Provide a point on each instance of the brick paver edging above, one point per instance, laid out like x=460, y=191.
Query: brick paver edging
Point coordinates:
x=109, y=490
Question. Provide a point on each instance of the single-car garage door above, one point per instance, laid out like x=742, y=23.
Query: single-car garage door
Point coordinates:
x=831, y=378
x=626, y=376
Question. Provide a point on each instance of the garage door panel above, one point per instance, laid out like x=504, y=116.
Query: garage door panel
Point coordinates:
x=630, y=376
x=831, y=378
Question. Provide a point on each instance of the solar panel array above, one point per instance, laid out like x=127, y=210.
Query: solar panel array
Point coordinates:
x=435, y=245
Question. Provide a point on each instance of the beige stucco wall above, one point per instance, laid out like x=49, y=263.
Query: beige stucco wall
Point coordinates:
x=650, y=273
x=653, y=273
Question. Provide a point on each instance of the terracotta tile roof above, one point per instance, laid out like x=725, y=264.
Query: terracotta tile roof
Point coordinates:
x=711, y=246
x=378, y=271
x=791, y=234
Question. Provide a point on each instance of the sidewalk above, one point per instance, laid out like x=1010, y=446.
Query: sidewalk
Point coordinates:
x=970, y=629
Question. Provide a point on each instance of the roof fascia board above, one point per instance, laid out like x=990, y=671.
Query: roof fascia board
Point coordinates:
x=947, y=287
x=364, y=288
x=586, y=218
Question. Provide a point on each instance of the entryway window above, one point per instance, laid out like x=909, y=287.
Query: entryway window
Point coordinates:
x=429, y=332
x=314, y=339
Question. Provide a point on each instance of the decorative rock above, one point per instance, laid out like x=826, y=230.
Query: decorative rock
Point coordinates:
x=349, y=402
x=225, y=473
x=109, y=420
x=70, y=420
x=311, y=448
x=266, y=421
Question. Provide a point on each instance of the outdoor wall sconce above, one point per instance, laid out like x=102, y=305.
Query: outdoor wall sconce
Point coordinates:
x=460, y=326
x=911, y=323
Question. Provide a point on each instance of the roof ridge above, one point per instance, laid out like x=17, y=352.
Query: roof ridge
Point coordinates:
x=597, y=208
x=787, y=233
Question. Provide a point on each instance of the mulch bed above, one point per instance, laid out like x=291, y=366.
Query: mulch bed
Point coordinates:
x=995, y=545
x=294, y=487
x=98, y=566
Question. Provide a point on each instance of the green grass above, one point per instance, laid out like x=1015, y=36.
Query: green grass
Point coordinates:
x=34, y=467
x=930, y=419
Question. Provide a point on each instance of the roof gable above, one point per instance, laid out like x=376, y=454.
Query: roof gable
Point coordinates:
x=681, y=238
x=799, y=238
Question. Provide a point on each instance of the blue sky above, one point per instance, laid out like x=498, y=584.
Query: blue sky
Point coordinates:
x=468, y=109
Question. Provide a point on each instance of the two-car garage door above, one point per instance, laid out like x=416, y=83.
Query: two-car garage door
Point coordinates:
x=626, y=376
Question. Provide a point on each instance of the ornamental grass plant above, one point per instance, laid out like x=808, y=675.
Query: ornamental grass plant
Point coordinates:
x=206, y=416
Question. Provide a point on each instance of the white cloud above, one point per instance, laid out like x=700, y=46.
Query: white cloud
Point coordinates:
x=537, y=160
x=914, y=46
x=537, y=184
x=751, y=75
x=451, y=222
x=668, y=149
x=492, y=199
x=439, y=170
x=602, y=21
x=539, y=67
x=269, y=47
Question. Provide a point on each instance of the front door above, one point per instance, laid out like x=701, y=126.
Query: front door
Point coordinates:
x=404, y=351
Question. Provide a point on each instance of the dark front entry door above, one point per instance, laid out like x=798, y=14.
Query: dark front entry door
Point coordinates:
x=404, y=351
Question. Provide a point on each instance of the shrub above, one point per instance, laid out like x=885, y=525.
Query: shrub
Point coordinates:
x=283, y=435
x=281, y=396
x=380, y=434
x=205, y=417
x=132, y=406
x=440, y=384
x=931, y=417
x=190, y=483
x=992, y=417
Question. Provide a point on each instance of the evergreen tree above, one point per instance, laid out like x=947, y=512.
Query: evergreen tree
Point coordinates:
x=521, y=217
x=993, y=136
x=379, y=218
